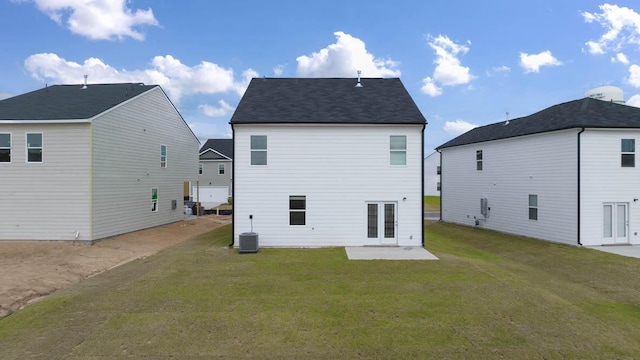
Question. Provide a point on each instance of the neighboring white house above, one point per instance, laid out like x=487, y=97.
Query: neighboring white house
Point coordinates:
x=214, y=175
x=432, y=174
x=328, y=162
x=566, y=174
x=88, y=162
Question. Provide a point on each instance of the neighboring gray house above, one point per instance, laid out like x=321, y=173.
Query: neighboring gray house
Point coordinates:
x=566, y=174
x=328, y=162
x=88, y=162
x=432, y=174
x=214, y=173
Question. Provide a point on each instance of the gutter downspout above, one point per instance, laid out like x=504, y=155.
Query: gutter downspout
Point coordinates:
x=233, y=189
x=440, y=153
x=579, y=182
x=422, y=194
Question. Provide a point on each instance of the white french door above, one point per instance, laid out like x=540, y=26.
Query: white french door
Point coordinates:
x=615, y=223
x=382, y=223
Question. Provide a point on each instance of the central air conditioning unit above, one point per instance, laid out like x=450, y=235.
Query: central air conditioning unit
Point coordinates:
x=248, y=242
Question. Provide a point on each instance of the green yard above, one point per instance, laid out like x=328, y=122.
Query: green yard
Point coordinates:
x=432, y=203
x=489, y=296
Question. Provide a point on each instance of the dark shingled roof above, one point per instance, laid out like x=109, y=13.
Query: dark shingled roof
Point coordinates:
x=582, y=113
x=68, y=102
x=223, y=146
x=326, y=101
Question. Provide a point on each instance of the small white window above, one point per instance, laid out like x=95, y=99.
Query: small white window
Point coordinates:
x=628, y=156
x=154, y=199
x=200, y=169
x=220, y=169
x=163, y=156
x=34, y=147
x=479, y=160
x=398, y=150
x=258, y=150
x=297, y=210
x=5, y=147
x=533, y=207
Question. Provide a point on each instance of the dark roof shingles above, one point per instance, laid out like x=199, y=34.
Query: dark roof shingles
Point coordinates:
x=223, y=146
x=68, y=102
x=326, y=100
x=582, y=113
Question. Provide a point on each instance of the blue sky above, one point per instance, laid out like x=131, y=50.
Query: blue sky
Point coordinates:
x=465, y=63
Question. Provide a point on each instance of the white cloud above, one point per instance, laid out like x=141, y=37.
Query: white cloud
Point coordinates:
x=343, y=59
x=634, y=75
x=222, y=109
x=622, y=26
x=278, y=70
x=176, y=78
x=98, y=19
x=533, y=62
x=621, y=58
x=449, y=70
x=634, y=100
x=458, y=127
x=499, y=70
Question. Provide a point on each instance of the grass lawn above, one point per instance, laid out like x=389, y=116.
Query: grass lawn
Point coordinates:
x=432, y=203
x=489, y=296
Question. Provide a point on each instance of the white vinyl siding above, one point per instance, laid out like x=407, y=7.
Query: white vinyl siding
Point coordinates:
x=543, y=164
x=5, y=148
x=126, y=156
x=50, y=201
x=338, y=169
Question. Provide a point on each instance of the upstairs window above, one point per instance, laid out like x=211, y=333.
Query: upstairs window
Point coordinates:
x=154, y=199
x=163, y=156
x=34, y=147
x=398, y=150
x=533, y=207
x=258, y=150
x=438, y=170
x=220, y=169
x=479, y=160
x=628, y=149
x=200, y=169
x=297, y=210
x=5, y=148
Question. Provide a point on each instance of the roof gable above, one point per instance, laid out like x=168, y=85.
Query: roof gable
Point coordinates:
x=582, y=113
x=326, y=101
x=68, y=102
x=223, y=147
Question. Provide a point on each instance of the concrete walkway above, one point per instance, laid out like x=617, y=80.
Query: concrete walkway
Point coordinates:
x=388, y=253
x=624, y=250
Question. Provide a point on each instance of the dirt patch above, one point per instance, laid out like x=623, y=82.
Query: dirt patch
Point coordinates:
x=30, y=270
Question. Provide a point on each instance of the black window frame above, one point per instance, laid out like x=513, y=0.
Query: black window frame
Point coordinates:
x=297, y=210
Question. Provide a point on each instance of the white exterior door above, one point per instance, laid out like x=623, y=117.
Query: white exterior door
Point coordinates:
x=382, y=222
x=615, y=223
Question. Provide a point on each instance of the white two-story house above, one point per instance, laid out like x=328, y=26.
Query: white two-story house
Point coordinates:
x=87, y=162
x=328, y=162
x=566, y=174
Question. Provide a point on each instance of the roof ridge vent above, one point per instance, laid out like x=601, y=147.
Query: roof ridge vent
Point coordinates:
x=85, y=82
x=506, y=121
x=359, y=84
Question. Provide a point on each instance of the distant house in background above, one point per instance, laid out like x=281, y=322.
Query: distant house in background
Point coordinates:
x=214, y=174
x=432, y=174
x=566, y=174
x=328, y=162
x=88, y=162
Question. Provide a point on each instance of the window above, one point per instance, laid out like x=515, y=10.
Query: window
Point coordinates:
x=154, y=200
x=479, y=160
x=5, y=148
x=163, y=156
x=34, y=147
x=398, y=149
x=438, y=170
x=258, y=150
x=200, y=169
x=220, y=169
x=438, y=186
x=533, y=207
x=628, y=148
x=297, y=209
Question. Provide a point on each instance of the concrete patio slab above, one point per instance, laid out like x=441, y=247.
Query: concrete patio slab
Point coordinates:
x=624, y=250
x=388, y=253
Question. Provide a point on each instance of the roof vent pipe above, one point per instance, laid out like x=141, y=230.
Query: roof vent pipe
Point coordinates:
x=359, y=84
x=507, y=116
x=85, y=82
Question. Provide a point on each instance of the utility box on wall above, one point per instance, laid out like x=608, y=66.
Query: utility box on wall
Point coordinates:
x=484, y=207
